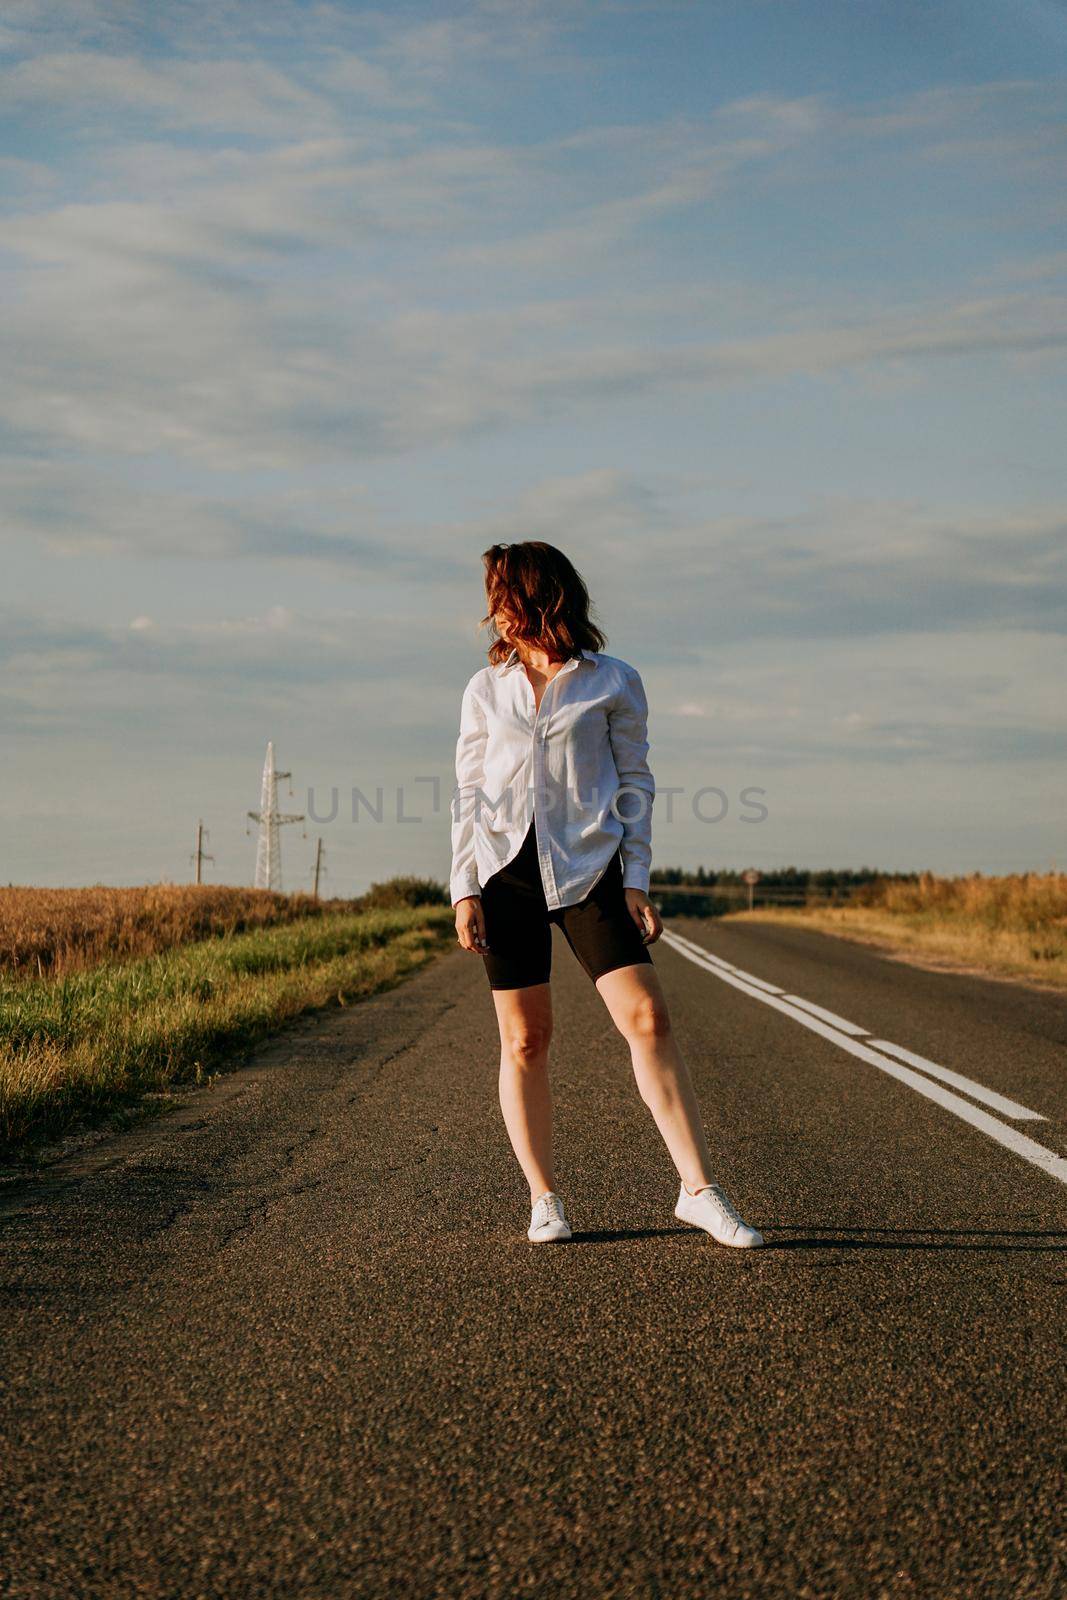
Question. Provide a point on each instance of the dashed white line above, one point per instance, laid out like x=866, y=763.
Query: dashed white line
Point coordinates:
x=977, y=1091
x=1010, y=1138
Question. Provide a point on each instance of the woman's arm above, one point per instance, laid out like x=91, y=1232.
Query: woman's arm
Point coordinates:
x=470, y=776
x=628, y=731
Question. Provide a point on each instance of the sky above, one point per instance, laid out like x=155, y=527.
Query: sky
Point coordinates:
x=757, y=310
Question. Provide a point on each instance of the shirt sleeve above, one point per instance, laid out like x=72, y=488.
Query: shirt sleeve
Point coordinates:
x=628, y=731
x=470, y=775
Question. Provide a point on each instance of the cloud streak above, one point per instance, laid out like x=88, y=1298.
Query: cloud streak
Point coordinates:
x=234, y=380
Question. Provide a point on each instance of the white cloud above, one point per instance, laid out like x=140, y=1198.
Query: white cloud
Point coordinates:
x=250, y=97
x=119, y=350
x=245, y=307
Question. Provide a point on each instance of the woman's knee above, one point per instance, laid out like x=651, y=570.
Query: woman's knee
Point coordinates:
x=527, y=1043
x=648, y=1018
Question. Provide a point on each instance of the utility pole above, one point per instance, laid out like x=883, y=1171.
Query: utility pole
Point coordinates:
x=319, y=868
x=198, y=855
x=269, y=848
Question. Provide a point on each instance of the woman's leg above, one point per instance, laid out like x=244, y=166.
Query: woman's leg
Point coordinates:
x=635, y=1001
x=524, y=1017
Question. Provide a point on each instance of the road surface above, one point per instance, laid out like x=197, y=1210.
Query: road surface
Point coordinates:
x=289, y=1339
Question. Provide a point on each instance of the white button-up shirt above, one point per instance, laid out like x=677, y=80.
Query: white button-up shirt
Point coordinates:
x=577, y=766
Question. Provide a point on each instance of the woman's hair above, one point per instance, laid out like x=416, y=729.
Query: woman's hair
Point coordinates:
x=543, y=596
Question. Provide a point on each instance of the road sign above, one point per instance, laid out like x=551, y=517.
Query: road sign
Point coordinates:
x=751, y=876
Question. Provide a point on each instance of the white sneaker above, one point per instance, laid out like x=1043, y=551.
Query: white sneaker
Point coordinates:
x=547, y=1222
x=709, y=1209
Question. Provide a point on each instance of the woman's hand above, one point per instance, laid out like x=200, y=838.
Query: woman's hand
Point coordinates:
x=644, y=914
x=470, y=924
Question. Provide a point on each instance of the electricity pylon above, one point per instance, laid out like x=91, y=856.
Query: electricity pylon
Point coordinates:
x=269, y=848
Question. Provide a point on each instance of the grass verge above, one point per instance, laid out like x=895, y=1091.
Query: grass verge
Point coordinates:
x=74, y=1047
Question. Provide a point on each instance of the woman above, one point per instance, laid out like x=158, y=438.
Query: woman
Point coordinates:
x=552, y=823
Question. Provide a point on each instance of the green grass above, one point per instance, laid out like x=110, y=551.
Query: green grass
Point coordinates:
x=74, y=1047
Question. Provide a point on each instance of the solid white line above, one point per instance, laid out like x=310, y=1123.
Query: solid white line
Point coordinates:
x=828, y=1016
x=698, y=949
x=1011, y=1139
x=977, y=1091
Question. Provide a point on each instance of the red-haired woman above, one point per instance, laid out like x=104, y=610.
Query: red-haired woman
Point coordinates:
x=552, y=823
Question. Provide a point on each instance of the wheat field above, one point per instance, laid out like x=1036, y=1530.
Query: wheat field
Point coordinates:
x=49, y=932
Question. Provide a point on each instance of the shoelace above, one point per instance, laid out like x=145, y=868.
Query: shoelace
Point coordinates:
x=718, y=1194
x=549, y=1209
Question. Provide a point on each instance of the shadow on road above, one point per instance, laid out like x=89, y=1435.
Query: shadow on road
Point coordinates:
x=820, y=1238
x=613, y=1235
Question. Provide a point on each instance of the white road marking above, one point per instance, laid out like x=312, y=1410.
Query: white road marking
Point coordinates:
x=1011, y=1139
x=977, y=1091
x=828, y=1016
x=758, y=983
x=698, y=949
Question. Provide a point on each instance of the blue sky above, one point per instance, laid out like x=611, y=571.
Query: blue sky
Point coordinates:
x=758, y=310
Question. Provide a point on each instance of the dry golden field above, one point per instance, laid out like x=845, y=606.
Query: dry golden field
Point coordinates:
x=1008, y=927
x=49, y=932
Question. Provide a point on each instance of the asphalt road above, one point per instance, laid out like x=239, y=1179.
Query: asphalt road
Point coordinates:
x=290, y=1340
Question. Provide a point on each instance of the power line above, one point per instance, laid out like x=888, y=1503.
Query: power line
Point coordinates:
x=320, y=869
x=198, y=855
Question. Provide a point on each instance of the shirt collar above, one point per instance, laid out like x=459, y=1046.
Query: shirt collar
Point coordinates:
x=513, y=660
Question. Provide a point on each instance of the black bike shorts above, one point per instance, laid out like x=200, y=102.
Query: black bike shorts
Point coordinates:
x=518, y=924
